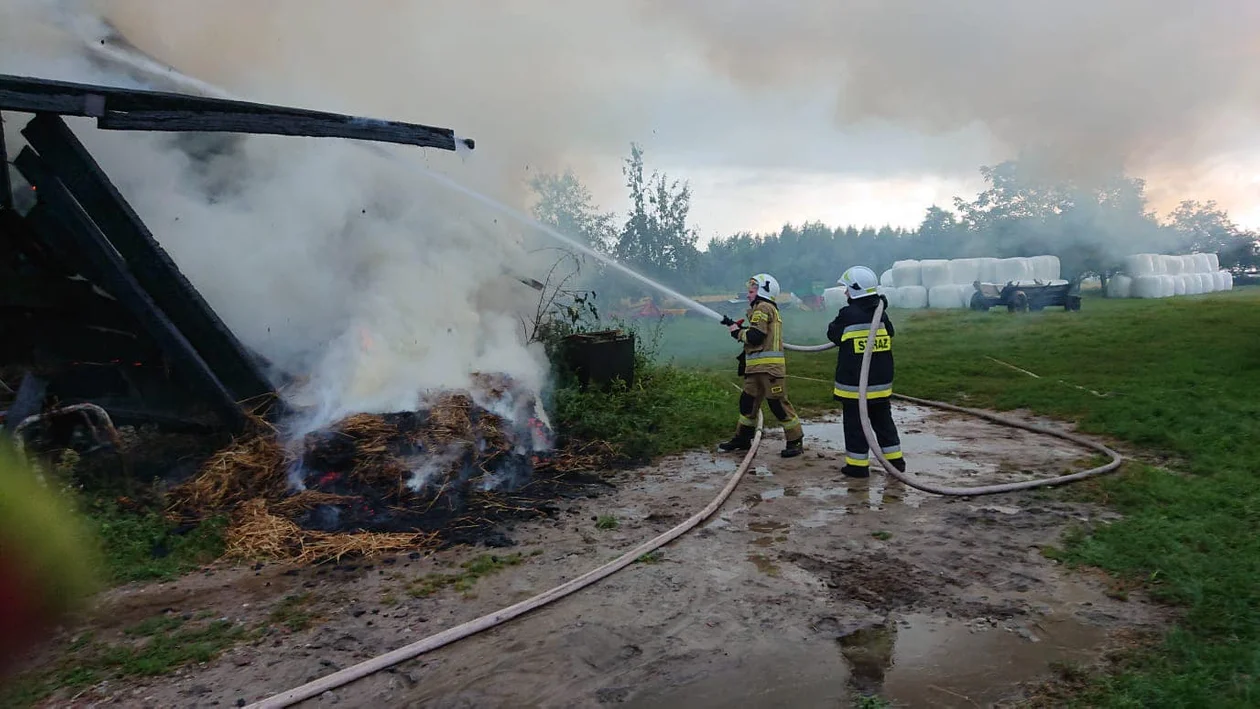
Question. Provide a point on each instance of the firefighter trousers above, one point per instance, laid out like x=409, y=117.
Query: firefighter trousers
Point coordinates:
x=762, y=387
x=856, y=451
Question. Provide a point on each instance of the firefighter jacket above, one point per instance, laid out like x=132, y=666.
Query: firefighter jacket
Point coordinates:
x=763, y=340
x=850, y=331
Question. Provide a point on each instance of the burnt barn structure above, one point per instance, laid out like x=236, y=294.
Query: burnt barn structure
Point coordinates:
x=92, y=310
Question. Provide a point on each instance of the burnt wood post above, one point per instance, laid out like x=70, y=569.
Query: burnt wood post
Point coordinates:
x=110, y=271
x=6, y=187
x=152, y=267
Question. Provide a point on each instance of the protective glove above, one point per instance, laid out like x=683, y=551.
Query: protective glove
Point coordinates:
x=734, y=328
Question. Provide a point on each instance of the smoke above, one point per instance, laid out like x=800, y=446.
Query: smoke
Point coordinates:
x=1091, y=88
x=343, y=267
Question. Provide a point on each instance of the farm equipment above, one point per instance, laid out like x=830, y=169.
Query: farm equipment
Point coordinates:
x=1022, y=296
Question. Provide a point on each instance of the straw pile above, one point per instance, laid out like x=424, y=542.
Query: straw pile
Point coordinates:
x=383, y=483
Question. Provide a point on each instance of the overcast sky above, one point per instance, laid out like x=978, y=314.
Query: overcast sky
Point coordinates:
x=863, y=112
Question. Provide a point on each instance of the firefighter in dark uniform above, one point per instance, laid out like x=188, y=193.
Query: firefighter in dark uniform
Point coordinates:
x=763, y=368
x=850, y=331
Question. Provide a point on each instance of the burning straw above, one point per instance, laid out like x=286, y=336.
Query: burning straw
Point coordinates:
x=380, y=483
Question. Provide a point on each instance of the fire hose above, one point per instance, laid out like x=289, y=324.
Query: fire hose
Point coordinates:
x=875, y=449
x=485, y=622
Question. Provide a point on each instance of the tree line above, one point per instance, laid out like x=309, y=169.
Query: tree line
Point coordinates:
x=1090, y=227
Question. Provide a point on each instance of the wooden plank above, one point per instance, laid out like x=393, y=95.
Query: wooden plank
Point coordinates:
x=114, y=276
x=221, y=122
x=156, y=108
x=6, y=187
x=152, y=267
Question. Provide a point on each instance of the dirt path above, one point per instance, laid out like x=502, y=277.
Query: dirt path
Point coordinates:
x=805, y=589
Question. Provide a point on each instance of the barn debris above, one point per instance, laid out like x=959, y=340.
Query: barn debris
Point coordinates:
x=90, y=303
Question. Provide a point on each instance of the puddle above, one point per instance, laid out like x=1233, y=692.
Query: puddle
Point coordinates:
x=951, y=450
x=822, y=518
x=766, y=527
x=824, y=493
x=916, y=660
x=774, y=494
x=923, y=660
x=763, y=542
x=764, y=565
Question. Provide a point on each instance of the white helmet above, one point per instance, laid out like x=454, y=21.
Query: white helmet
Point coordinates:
x=860, y=282
x=767, y=287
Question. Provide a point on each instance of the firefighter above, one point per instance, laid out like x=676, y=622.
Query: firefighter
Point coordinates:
x=763, y=368
x=850, y=331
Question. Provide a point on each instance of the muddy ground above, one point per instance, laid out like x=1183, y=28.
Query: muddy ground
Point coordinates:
x=806, y=589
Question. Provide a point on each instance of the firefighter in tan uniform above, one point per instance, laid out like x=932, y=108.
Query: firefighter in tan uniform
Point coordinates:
x=763, y=368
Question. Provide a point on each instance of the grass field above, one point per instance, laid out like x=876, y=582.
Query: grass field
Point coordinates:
x=1182, y=378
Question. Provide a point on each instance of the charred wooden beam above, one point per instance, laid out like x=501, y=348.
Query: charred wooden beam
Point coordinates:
x=152, y=267
x=6, y=187
x=135, y=109
x=113, y=275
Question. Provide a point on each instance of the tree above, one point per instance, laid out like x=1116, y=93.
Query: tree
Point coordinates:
x=565, y=204
x=656, y=239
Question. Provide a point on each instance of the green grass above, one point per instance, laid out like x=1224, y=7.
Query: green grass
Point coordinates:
x=667, y=409
x=155, y=646
x=146, y=546
x=293, y=612
x=471, y=572
x=607, y=522
x=1182, y=378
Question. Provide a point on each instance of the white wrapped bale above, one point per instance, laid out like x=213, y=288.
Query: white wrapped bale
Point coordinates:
x=1206, y=283
x=1229, y=280
x=835, y=298
x=906, y=273
x=1214, y=262
x=1218, y=281
x=1120, y=287
x=964, y=271
x=1044, y=268
x=1187, y=264
x=965, y=293
x=1202, y=264
x=933, y=273
x=1180, y=287
x=886, y=279
x=944, y=297
x=987, y=269
x=1138, y=265
x=1172, y=265
x=913, y=297
x=1148, y=287
x=1013, y=269
x=1193, y=286
x=1169, y=287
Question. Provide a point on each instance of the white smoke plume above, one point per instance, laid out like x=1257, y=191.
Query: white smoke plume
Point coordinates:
x=334, y=263
x=1091, y=88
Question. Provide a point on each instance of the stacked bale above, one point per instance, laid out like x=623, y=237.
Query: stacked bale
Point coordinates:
x=912, y=297
x=1178, y=274
x=944, y=297
x=886, y=279
x=987, y=269
x=906, y=273
x=1120, y=286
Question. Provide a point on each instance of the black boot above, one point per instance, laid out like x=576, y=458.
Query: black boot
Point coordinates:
x=741, y=442
x=856, y=471
x=899, y=464
x=793, y=448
